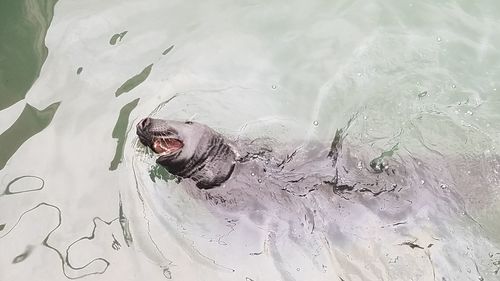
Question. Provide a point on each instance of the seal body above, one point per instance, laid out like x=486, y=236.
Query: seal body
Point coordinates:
x=244, y=173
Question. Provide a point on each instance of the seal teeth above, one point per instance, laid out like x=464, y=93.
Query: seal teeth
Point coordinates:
x=166, y=145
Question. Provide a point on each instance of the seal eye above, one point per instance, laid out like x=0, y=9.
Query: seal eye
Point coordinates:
x=188, y=122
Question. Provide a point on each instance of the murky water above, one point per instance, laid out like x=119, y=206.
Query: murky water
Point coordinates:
x=81, y=198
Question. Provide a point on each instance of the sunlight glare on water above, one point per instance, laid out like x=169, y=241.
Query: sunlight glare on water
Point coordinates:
x=412, y=85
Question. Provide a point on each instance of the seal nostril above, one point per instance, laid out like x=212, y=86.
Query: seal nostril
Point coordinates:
x=144, y=123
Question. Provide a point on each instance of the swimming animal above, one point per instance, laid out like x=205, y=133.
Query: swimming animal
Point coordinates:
x=231, y=171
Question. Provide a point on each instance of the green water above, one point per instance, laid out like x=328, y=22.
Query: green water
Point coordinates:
x=120, y=132
x=117, y=37
x=30, y=122
x=23, y=25
x=417, y=82
x=133, y=82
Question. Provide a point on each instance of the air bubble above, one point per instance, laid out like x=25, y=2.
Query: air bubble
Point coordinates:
x=315, y=123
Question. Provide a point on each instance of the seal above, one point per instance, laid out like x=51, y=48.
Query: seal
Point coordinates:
x=191, y=150
x=233, y=174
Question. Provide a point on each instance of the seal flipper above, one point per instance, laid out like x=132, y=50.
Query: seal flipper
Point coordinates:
x=336, y=147
x=338, y=139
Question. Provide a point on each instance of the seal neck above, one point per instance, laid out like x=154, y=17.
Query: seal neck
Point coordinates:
x=211, y=167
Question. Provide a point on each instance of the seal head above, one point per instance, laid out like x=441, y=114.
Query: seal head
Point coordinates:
x=189, y=150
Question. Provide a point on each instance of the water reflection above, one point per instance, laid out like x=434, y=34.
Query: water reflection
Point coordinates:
x=120, y=131
x=23, y=184
x=25, y=24
x=71, y=271
x=100, y=207
x=134, y=81
x=117, y=38
x=31, y=122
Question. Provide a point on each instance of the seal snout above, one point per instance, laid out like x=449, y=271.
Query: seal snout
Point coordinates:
x=143, y=133
x=159, y=136
x=143, y=124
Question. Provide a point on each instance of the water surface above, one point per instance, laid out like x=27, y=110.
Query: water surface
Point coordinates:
x=80, y=198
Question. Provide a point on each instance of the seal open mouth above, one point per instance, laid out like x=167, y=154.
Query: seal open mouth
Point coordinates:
x=167, y=146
